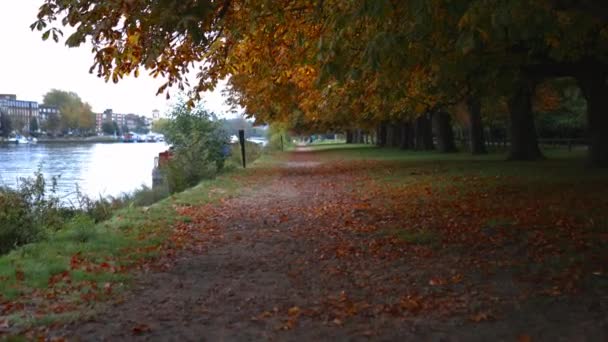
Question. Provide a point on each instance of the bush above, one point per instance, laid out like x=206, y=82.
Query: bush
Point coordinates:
x=81, y=228
x=197, y=143
x=27, y=213
x=275, y=133
x=146, y=196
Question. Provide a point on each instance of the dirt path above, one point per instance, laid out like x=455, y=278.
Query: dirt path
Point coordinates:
x=300, y=259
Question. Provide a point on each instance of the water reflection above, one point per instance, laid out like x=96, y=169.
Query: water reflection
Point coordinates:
x=97, y=169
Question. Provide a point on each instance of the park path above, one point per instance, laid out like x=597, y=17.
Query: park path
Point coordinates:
x=300, y=258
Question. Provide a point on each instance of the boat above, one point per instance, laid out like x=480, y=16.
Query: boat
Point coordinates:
x=128, y=138
x=18, y=139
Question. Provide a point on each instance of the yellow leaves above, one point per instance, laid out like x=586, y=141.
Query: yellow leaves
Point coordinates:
x=420, y=108
x=547, y=98
x=552, y=41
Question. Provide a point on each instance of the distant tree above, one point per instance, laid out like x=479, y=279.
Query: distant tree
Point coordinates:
x=18, y=124
x=6, y=125
x=160, y=126
x=52, y=124
x=109, y=128
x=140, y=126
x=116, y=128
x=33, y=125
x=76, y=115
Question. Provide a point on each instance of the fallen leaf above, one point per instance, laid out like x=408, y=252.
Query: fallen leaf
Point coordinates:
x=4, y=325
x=141, y=329
x=481, y=316
x=294, y=311
x=524, y=338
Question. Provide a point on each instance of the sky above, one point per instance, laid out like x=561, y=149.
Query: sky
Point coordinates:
x=30, y=67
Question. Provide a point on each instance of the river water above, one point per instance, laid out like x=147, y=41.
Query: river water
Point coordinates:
x=96, y=169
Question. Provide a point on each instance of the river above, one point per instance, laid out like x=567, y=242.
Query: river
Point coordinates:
x=97, y=169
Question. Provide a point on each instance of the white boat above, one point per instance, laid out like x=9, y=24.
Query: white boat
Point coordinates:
x=18, y=140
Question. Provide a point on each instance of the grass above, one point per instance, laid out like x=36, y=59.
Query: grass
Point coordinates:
x=559, y=165
x=553, y=209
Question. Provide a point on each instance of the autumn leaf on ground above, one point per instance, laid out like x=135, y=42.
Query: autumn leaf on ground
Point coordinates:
x=480, y=316
x=524, y=338
x=141, y=329
x=4, y=325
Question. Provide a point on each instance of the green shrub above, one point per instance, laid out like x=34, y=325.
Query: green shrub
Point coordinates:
x=81, y=228
x=275, y=133
x=146, y=196
x=99, y=210
x=28, y=213
x=197, y=143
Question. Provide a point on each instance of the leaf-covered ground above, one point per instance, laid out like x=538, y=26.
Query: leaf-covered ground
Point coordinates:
x=359, y=244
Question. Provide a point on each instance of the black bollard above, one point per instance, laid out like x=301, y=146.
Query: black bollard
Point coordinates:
x=242, y=141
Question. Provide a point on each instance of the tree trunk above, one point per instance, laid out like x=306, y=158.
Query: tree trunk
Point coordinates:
x=476, y=140
x=407, y=141
x=396, y=135
x=524, y=143
x=595, y=91
x=381, y=139
x=424, y=133
x=349, y=136
x=445, y=132
x=390, y=133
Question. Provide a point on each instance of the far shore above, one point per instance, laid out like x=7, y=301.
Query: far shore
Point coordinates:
x=93, y=139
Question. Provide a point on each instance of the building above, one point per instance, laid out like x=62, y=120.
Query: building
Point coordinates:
x=109, y=116
x=156, y=115
x=45, y=112
x=98, y=121
x=20, y=112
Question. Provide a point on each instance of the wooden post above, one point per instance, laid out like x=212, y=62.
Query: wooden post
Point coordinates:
x=282, y=149
x=242, y=141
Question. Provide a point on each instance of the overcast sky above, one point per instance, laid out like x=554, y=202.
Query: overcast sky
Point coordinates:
x=29, y=67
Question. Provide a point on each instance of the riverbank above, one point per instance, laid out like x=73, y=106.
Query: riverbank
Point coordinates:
x=82, y=264
x=93, y=139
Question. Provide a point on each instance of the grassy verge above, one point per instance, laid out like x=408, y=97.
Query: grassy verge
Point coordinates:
x=86, y=263
x=545, y=221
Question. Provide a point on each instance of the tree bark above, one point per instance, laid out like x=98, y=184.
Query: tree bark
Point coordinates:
x=390, y=132
x=349, y=136
x=424, y=133
x=595, y=91
x=476, y=140
x=381, y=139
x=396, y=135
x=407, y=141
x=445, y=132
x=524, y=142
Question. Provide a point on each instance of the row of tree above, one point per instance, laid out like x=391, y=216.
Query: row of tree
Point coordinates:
x=365, y=65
